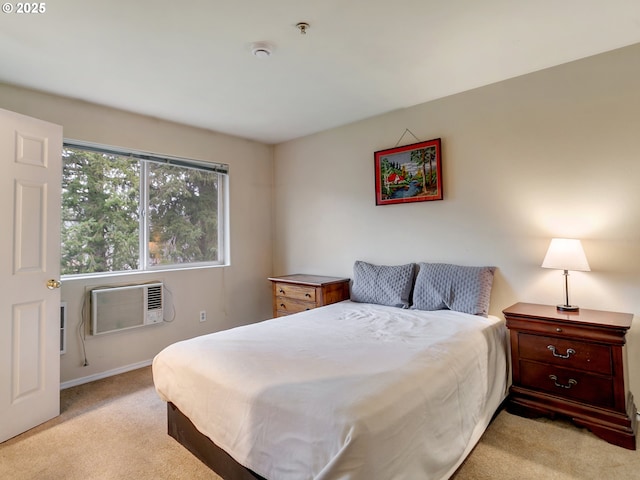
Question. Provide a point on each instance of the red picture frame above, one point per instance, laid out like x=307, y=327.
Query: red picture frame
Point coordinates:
x=412, y=173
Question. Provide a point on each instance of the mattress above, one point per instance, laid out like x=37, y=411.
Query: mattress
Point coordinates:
x=347, y=391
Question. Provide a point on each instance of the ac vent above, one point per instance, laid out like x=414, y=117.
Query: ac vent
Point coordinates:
x=63, y=327
x=154, y=297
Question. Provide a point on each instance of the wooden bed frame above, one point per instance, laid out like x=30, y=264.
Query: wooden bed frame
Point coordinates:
x=181, y=428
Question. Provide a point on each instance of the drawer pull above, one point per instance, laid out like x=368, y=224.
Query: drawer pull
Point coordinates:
x=570, y=351
x=571, y=383
x=308, y=295
x=281, y=290
x=282, y=305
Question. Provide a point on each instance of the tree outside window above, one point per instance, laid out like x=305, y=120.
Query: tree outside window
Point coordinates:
x=121, y=212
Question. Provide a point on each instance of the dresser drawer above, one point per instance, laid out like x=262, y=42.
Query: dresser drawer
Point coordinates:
x=567, y=353
x=567, y=383
x=300, y=292
x=287, y=306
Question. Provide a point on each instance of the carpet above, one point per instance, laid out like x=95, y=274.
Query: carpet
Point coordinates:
x=110, y=429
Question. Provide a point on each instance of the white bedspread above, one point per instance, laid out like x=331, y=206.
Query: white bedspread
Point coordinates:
x=347, y=391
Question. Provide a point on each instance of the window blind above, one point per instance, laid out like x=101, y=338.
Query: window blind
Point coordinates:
x=151, y=157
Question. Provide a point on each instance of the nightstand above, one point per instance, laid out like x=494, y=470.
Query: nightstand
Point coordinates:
x=572, y=364
x=297, y=293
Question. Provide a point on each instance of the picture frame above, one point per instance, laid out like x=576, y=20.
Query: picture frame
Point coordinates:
x=412, y=173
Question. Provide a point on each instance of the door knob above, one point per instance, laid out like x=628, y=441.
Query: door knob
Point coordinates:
x=52, y=284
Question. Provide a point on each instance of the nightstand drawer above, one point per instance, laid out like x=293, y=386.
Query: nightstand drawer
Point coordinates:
x=567, y=383
x=287, y=306
x=566, y=353
x=300, y=292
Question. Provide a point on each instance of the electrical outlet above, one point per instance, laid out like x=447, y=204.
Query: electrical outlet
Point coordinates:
x=203, y=315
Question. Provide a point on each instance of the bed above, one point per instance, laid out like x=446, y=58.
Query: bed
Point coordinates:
x=354, y=390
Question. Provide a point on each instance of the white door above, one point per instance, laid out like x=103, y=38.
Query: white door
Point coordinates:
x=30, y=179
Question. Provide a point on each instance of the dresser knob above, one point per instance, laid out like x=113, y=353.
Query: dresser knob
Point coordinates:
x=308, y=295
x=282, y=305
x=558, y=329
x=281, y=291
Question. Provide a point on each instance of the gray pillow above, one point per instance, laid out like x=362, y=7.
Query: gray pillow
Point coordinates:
x=463, y=289
x=382, y=284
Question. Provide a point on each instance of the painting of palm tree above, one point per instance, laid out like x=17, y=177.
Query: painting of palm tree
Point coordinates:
x=411, y=173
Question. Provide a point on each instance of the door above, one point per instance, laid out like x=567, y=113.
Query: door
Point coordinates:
x=30, y=179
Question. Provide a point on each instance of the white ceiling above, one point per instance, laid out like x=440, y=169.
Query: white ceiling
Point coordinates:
x=190, y=61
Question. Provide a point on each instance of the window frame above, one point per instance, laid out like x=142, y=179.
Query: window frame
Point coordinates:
x=144, y=157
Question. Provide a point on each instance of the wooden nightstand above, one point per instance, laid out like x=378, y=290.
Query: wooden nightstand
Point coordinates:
x=296, y=293
x=572, y=364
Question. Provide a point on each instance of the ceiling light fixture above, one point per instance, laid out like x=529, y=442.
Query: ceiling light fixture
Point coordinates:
x=261, y=49
x=302, y=26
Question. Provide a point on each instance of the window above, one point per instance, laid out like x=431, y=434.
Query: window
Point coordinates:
x=134, y=211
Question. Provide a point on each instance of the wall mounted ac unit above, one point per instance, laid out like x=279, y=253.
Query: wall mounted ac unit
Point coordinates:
x=120, y=308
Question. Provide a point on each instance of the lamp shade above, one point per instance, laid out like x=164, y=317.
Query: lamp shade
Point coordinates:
x=566, y=254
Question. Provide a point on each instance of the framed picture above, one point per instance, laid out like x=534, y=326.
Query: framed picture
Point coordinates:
x=412, y=173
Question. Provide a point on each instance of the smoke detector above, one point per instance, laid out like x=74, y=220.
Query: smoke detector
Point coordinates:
x=261, y=49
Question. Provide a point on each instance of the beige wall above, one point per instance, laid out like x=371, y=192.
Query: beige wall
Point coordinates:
x=554, y=153
x=550, y=154
x=233, y=295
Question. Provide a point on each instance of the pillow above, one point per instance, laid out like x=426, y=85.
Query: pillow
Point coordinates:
x=463, y=289
x=382, y=284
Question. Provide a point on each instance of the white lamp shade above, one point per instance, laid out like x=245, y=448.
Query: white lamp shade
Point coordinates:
x=566, y=254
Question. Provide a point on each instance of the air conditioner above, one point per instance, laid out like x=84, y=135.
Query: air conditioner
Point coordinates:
x=120, y=308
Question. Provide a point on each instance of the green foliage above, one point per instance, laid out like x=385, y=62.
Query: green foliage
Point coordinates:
x=100, y=212
x=424, y=158
x=101, y=219
x=183, y=220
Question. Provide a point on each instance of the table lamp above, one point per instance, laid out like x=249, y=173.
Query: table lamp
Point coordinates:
x=566, y=254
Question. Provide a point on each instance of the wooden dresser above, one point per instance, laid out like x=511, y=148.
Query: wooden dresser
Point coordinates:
x=572, y=364
x=296, y=293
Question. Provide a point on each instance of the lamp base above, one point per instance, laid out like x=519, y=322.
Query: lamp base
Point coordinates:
x=567, y=308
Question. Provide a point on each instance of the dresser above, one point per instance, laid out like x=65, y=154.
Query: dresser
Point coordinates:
x=572, y=364
x=297, y=293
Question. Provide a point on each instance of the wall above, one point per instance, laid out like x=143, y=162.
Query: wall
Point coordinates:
x=550, y=154
x=232, y=295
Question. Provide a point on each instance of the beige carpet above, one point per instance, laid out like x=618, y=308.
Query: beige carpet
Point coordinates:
x=543, y=449
x=116, y=429
x=110, y=429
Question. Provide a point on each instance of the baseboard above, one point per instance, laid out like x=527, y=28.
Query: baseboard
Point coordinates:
x=108, y=373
